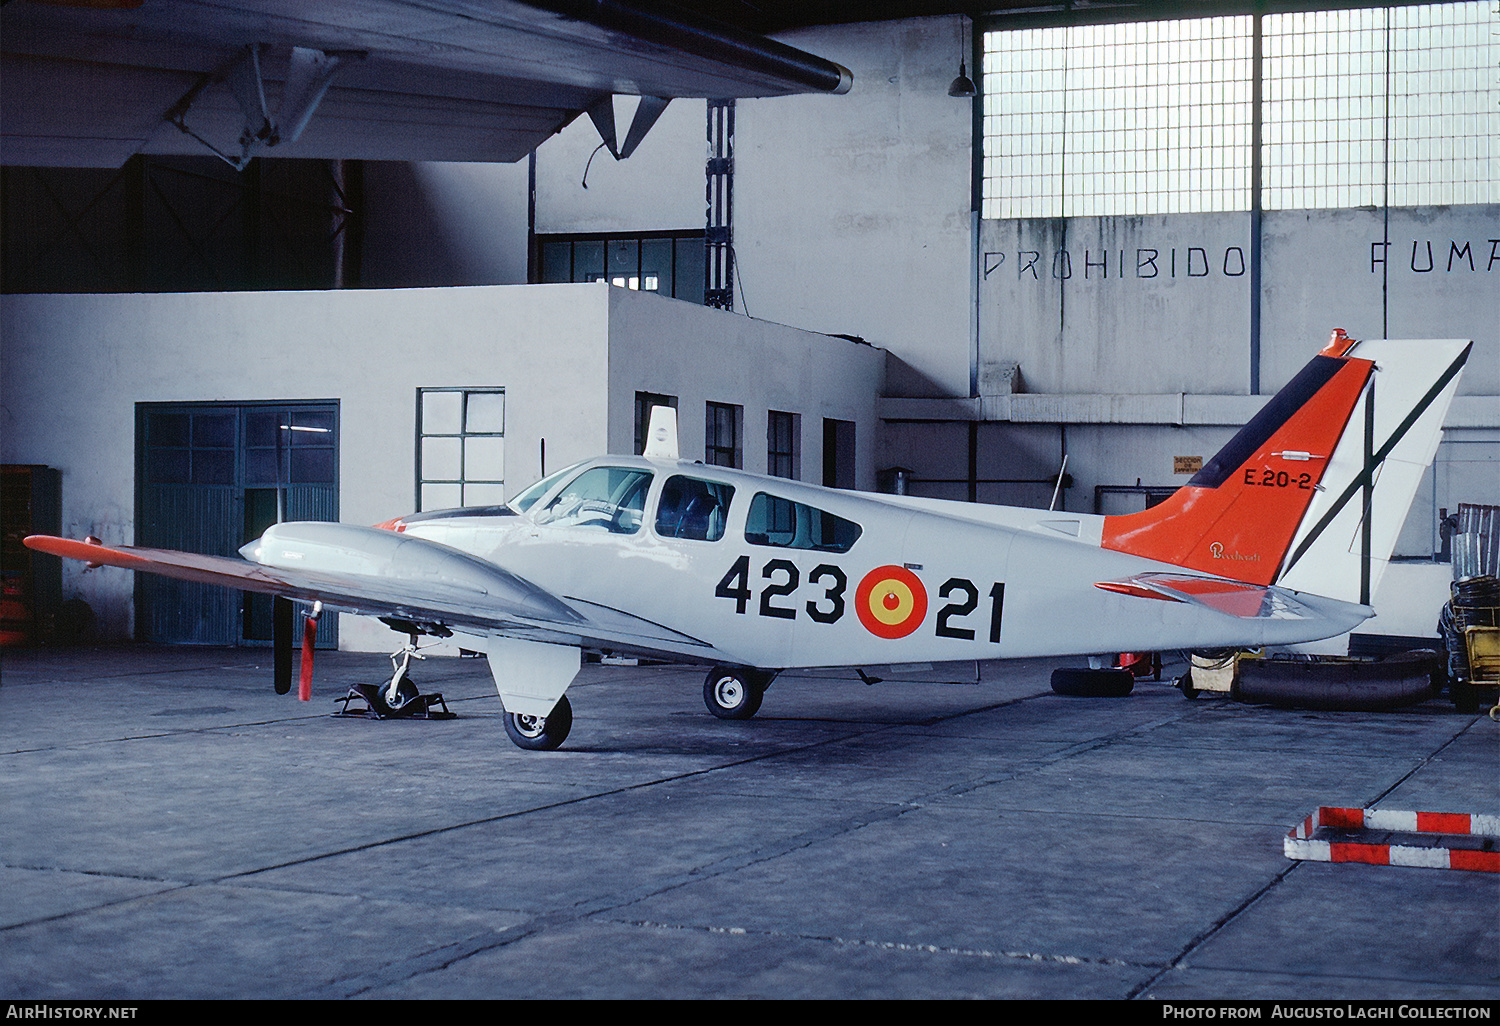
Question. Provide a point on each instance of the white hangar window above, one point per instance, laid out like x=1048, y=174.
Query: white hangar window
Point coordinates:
x=1394, y=105
x=460, y=447
x=1133, y=118
x=1351, y=93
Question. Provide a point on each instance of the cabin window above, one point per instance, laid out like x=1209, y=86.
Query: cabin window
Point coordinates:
x=693, y=509
x=609, y=499
x=793, y=525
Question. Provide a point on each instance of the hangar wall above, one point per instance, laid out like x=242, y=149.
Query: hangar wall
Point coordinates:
x=852, y=213
x=443, y=224
x=715, y=356
x=296, y=345
x=1147, y=321
x=1142, y=305
x=658, y=187
x=852, y=216
x=841, y=203
x=569, y=357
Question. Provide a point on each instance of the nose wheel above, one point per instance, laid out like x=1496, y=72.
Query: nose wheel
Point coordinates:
x=734, y=692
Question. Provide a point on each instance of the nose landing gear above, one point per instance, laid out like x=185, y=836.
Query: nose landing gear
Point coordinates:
x=399, y=697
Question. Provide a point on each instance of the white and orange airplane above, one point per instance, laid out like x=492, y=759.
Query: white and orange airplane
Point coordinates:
x=1279, y=539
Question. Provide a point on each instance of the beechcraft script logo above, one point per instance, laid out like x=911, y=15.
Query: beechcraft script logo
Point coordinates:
x=1216, y=550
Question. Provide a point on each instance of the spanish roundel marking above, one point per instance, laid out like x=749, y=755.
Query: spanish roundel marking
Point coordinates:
x=890, y=601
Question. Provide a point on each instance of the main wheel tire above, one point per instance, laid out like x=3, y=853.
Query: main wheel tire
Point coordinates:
x=541, y=733
x=1079, y=682
x=732, y=693
x=1185, y=685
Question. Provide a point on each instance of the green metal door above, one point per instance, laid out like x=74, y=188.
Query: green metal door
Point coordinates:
x=211, y=477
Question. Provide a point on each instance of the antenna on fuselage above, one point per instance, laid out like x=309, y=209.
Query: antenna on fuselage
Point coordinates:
x=661, y=435
x=1056, y=488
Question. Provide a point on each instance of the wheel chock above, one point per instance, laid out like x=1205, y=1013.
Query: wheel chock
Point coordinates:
x=418, y=708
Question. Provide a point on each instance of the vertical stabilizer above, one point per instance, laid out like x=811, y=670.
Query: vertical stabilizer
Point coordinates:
x=1285, y=501
x=1345, y=541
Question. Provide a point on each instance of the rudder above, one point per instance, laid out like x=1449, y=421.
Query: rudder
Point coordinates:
x=1283, y=502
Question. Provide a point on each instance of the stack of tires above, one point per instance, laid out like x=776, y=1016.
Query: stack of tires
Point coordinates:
x=1475, y=602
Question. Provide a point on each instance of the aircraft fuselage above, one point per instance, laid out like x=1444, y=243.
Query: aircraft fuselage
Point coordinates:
x=785, y=574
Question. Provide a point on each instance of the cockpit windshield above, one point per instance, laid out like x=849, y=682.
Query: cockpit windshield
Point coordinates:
x=609, y=499
x=521, y=503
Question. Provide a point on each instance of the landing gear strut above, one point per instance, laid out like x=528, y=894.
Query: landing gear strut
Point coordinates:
x=399, y=697
x=735, y=692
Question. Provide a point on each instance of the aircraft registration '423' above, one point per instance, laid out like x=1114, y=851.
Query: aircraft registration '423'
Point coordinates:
x=1279, y=539
x=890, y=601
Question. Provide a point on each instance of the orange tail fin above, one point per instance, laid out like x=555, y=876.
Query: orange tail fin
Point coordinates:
x=1238, y=515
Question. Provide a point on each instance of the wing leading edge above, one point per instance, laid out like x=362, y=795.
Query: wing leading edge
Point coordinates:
x=371, y=572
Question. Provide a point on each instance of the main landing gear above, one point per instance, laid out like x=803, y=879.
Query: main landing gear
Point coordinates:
x=541, y=733
x=735, y=692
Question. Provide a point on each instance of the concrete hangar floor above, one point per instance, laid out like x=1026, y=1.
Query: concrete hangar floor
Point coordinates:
x=171, y=828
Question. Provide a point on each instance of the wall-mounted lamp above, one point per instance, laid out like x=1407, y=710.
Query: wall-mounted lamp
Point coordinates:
x=963, y=85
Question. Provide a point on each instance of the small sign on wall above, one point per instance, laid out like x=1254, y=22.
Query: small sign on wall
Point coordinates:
x=1187, y=464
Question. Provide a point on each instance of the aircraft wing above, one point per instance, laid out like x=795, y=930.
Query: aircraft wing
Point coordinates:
x=371, y=572
x=90, y=84
x=1277, y=606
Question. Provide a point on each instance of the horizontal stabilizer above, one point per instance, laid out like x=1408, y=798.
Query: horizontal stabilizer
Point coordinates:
x=1243, y=600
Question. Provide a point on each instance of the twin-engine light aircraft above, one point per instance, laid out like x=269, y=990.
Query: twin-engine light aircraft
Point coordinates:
x=1279, y=539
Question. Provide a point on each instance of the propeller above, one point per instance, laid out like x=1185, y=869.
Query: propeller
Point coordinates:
x=281, y=642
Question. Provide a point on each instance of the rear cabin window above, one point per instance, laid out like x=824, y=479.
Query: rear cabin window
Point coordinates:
x=609, y=499
x=793, y=525
x=693, y=509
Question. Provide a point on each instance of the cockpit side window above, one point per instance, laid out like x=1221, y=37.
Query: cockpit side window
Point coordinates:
x=693, y=509
x=609, y=499
x=785, y=524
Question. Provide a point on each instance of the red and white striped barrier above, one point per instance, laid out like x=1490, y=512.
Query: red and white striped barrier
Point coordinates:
x=1384, y=837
